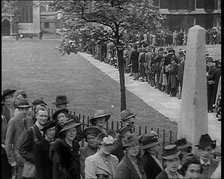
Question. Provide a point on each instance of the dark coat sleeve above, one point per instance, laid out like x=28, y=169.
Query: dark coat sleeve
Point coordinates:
x=26, y=148
x=122, y=172
x=162, y=175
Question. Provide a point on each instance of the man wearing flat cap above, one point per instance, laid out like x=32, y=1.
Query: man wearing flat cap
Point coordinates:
x=90, y=135
x=7, y=110
x=17, y=127
x=60, y=103
x=150, y=145
x=205, y=147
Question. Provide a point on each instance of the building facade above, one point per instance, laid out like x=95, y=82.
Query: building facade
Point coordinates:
x=183, y=14
x=27, y=19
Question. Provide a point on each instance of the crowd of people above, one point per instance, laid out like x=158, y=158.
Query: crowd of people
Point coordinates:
x=37, y=146
x=163, y=69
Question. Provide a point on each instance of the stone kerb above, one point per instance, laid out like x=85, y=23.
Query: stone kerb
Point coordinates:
x=193, y=114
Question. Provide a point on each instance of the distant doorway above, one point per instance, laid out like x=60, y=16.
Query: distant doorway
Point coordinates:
x=5, y=27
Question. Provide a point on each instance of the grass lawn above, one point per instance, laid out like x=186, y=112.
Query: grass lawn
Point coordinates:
x=36, y=67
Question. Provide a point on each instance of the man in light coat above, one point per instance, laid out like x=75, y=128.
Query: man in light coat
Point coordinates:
x=14, y=136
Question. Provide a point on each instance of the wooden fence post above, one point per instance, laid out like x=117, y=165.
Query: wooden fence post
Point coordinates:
x=145, y=129
x=112, y=125
x=170, y=136
x=140, y=130
x=164, y=138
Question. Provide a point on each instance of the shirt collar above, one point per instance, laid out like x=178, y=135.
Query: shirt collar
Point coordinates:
x=38, y=125
x=205, y=163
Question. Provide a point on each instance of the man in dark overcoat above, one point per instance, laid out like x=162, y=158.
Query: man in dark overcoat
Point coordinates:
x=14, y=136
x=33, y=135
x=150, y=145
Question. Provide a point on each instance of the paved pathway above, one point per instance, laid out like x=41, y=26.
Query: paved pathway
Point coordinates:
x=166, y=105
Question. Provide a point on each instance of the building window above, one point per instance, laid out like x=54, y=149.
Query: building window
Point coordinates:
x=182, y=4
x=163, y=4
x=199, y=4
x=46, y=25
x=26, y=15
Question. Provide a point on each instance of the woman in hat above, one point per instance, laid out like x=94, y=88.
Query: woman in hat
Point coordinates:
x=191, y=168
x=131, y=166
x=184, y=147
x=61, y=117
x=43, y=163
x=99, y=119
x=127, y=117
x=7, y=97
x=171, y=162
x=205, y=147
x=150, y=145
x=64, y=153
x=90, y=134
x=102, y=164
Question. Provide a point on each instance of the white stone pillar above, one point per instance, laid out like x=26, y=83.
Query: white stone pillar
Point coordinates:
x=194, y=116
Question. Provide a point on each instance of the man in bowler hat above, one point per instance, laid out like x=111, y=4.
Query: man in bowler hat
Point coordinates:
x=61, y=102
x=206, y=145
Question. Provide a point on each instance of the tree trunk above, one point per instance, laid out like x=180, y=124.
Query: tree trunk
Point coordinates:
x=17, y=31
x=122, y=79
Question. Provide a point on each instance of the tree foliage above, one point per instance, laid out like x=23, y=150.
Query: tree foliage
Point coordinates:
x=109, y=19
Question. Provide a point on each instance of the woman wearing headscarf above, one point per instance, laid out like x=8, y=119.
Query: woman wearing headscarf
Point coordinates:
x=64, y=152
x=43, y=163
x=102, y=164
x=131, y=166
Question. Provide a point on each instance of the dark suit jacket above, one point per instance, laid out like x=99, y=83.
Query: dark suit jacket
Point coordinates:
x=126, y=170
x=43, y=163
x=162, y=175
x=27, y=148
x=151, y=168
x=208, y=170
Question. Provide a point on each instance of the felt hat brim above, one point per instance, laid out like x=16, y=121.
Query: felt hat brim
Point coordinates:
x=184, y=146
x=151, y=144
x=107, y=117
x=58, y=112
x=24, y=106
x=137, y=138
x=128, y=117
x=8, y=93
x=171, y=156
x=69, y=127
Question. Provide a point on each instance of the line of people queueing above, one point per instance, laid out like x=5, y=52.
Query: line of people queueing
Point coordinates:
x=164, y=69
x=35, y=146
